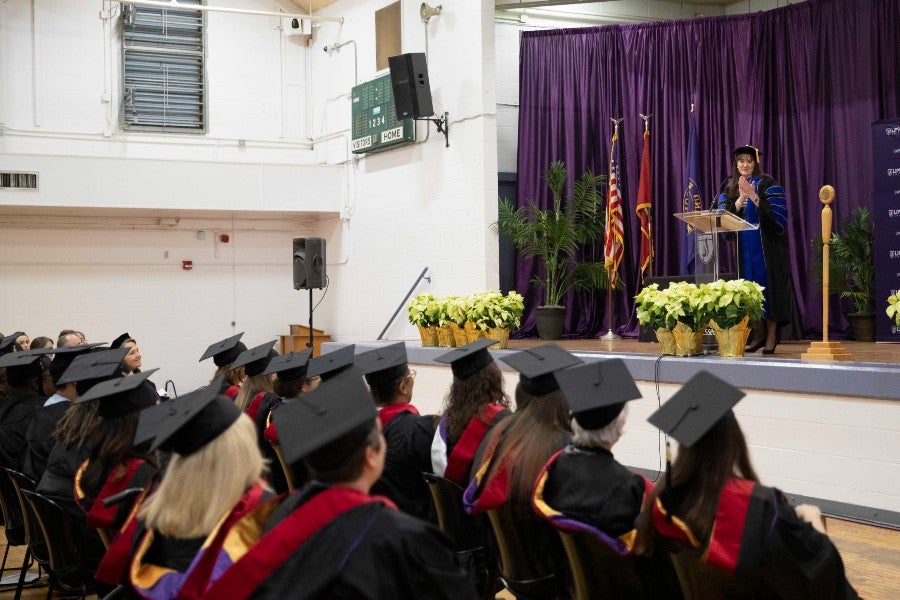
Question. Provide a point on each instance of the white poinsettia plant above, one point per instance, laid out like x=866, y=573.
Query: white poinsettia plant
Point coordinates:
x=893, y=309
x=685, y=304
x=418, y=310
x=728, y=302
x=493, y=310
x=458, y=309
x=651, y=307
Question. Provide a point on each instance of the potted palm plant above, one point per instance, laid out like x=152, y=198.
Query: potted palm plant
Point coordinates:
x=555, y=236
x=852, y=270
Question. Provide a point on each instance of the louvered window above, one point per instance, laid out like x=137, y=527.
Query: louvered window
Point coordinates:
x=163, y=68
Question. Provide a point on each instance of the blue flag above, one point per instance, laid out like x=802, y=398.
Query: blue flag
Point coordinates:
x=690, y=199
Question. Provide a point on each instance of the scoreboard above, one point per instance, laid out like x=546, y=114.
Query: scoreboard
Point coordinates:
x=375, y=125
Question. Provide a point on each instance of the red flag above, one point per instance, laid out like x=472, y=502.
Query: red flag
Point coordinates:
x=643, y=207
x=615, y=227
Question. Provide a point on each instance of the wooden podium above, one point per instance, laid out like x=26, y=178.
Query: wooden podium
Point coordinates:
x=299, y=338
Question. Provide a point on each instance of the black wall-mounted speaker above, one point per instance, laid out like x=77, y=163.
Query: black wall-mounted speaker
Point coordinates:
x=309, y=263
x=409, y=80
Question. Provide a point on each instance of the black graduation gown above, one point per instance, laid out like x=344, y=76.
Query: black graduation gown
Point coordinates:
x=409, y=439
x=369, y=552
x=40, y=438
x=772, y=552
x=58, y=480
x=16, y=413
x=590, y=486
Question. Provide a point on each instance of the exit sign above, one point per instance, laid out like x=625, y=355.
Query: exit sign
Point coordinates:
x=375, y=125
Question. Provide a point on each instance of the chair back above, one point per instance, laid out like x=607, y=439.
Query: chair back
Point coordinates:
x=597, y=571
x=469, y=534
x=64, y=544
x=13, y=516
x=531, y=555
x=285, y=467
x=700, y=581
x=33, y=534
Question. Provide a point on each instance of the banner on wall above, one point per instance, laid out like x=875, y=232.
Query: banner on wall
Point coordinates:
x=886, y=217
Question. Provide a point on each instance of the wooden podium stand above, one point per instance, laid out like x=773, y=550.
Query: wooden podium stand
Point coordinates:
x=299, y=338
x=714, y=221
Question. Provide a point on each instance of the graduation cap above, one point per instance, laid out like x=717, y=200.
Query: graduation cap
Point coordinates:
x=696, y=408
x=117, y=343
x=751, y=150
x=23, y=366
x=467, y=360
x=190, y=422
x=99, y=364
x=256, y=359
x=291, y=366
x=63, y=357
x=123, y=395
x=148, y=420
x=334, y=409
x=225, y=352
x=597, y=392
x=329, y=365
x=386, y=364
x=537, y=365
x=8, y=343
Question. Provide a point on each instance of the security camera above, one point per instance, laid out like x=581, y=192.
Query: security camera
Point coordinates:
x=295, y=24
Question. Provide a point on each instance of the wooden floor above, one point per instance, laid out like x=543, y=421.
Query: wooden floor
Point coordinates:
x=871, y=558
x=860, y=351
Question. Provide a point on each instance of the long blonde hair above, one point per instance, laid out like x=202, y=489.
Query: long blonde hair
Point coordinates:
x=200, y=488
x=251, y=387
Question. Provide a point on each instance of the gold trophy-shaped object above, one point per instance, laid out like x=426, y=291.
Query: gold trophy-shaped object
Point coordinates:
x=825, y=350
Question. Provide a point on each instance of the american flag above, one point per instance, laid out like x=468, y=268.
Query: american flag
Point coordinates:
x=615, y=228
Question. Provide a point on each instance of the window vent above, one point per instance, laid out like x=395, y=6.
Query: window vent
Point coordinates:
x=18, y=181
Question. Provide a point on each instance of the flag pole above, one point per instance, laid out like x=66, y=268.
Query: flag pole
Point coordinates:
x=646, y=119
x=611, y=335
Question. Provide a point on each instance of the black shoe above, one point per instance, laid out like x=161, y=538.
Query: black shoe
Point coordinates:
x=772, y=351
x=756, y=346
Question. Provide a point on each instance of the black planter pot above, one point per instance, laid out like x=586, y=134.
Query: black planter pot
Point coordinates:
x=549, y=321
x=863, y=325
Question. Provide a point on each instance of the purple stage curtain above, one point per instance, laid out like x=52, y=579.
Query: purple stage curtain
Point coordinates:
x=803, y=83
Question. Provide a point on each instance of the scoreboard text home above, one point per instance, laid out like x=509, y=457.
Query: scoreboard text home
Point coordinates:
x=375, y=125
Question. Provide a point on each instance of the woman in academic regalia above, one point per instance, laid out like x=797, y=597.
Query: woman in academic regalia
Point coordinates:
x=254, y=362
x=224, y=353
x=211, y=505
x=476, y=403
x=711, y=500
x=762, y=253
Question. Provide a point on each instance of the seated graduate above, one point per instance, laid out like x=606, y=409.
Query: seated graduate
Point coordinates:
x=476, y=403
x=329, y=365
x=25, y=377
x=223, y=354
x=133, y=360
x=255, y=360
x=210, y=506
x=710, y=499
x=75, y=431
x=584, y=488
x=39, y=437
x=114, y=464
x=332, y=539
x=408, y=434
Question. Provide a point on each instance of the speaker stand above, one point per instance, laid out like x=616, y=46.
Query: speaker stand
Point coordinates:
x=309, y=344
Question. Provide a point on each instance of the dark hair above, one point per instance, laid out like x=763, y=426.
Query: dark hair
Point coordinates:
x=41, y=342
x=76, y=426
x=731, y=189
x=698, y=475
x=383, y=390
x=526, y=440
x=289, y=388
x=468, y=396
x=343, y=459
x=115, y=437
